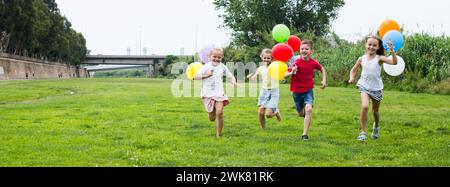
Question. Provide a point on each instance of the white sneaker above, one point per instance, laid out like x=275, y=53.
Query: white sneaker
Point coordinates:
x=376, y=133
x=362, y=136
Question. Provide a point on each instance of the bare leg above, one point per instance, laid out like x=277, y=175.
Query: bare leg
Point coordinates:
x=262, y=118
x=278, y=115
x=212, y=115
x=271, y=114
x=302, y=113
x=219, y=113
x=308, y=117
x=376, y=114
x=364, y=110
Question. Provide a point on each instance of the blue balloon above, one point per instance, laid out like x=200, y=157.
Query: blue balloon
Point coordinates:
x=397, y=40
x=289, y=63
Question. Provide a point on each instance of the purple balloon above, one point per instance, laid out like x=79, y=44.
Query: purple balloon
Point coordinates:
x=205, y=52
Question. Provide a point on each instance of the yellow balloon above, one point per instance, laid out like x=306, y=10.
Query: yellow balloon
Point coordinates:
x=192, y=69
x=277, y=70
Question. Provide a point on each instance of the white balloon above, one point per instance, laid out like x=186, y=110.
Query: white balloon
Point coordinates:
x=395, y=70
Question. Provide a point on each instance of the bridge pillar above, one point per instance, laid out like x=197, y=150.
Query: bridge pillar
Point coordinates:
x=150, y=71
x=156, y=68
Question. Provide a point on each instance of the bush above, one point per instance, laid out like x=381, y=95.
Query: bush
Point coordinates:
x=427, y=66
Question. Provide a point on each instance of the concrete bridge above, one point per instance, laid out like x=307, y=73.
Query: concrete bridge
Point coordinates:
x=153, y=61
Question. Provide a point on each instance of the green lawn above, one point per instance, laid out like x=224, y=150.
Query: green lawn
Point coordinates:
x=137, y=122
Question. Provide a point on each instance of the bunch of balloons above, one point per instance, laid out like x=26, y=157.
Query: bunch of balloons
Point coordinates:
x=283, y=51
x=390, y=31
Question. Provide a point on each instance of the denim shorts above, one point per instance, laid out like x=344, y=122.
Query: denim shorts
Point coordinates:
x=269, y=98
x=377, y=95
x=301, y=99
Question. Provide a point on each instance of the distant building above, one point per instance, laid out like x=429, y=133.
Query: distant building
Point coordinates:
x=182, y=51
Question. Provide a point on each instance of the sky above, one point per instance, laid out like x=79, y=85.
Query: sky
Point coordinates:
x=186, y=26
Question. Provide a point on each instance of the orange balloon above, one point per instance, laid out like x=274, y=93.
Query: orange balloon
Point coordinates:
x=387, y=26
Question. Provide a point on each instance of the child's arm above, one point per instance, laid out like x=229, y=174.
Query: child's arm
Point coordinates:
x=392, y=61
x=229, y=74
x=354, y=71
x=233, y=81
x=288, y=74
x=324, y=78
x=254, y=75
x=201, y=76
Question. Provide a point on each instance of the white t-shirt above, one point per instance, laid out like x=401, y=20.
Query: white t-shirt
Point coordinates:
x=371, y=74
x=213, y=86
x=267, y=82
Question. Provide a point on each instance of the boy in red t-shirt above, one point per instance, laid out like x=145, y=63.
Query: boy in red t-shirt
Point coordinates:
x=302, y=83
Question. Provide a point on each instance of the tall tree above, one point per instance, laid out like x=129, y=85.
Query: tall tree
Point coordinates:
x=250, y=20
x=36, y=28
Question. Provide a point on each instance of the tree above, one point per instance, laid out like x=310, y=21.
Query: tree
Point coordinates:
x=165, y=68
x=251, y=20
x=52, y=6
x=36, y=28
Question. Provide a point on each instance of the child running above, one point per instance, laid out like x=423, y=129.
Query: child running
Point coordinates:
x=213, y=94
x=302, y=83
x=370, y=84
x=269, y=93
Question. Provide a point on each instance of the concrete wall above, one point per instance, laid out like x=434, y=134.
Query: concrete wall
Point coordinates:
x=15, y=67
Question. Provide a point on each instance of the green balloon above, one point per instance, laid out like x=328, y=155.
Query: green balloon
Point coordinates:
x=281, y=33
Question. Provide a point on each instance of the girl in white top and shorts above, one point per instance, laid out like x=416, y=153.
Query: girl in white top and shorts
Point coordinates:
x=370, y=84
x=213, y=94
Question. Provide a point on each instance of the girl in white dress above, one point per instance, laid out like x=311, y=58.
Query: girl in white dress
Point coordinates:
x=213, y=94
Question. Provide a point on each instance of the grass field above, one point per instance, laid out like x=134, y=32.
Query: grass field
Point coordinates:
x=137, y=122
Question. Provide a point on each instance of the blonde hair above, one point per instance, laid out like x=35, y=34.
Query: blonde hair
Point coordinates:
x=216, y=49
x=266, y=51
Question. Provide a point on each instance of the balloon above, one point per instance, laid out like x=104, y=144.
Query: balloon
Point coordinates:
x=204, y=53
x=397, y=40
x=282, y=52
x=387, y=26
x=294, y=42
x=192, y=69
x=277, y=70
x=289, y=63
x=281, y=33
x=395, y=70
